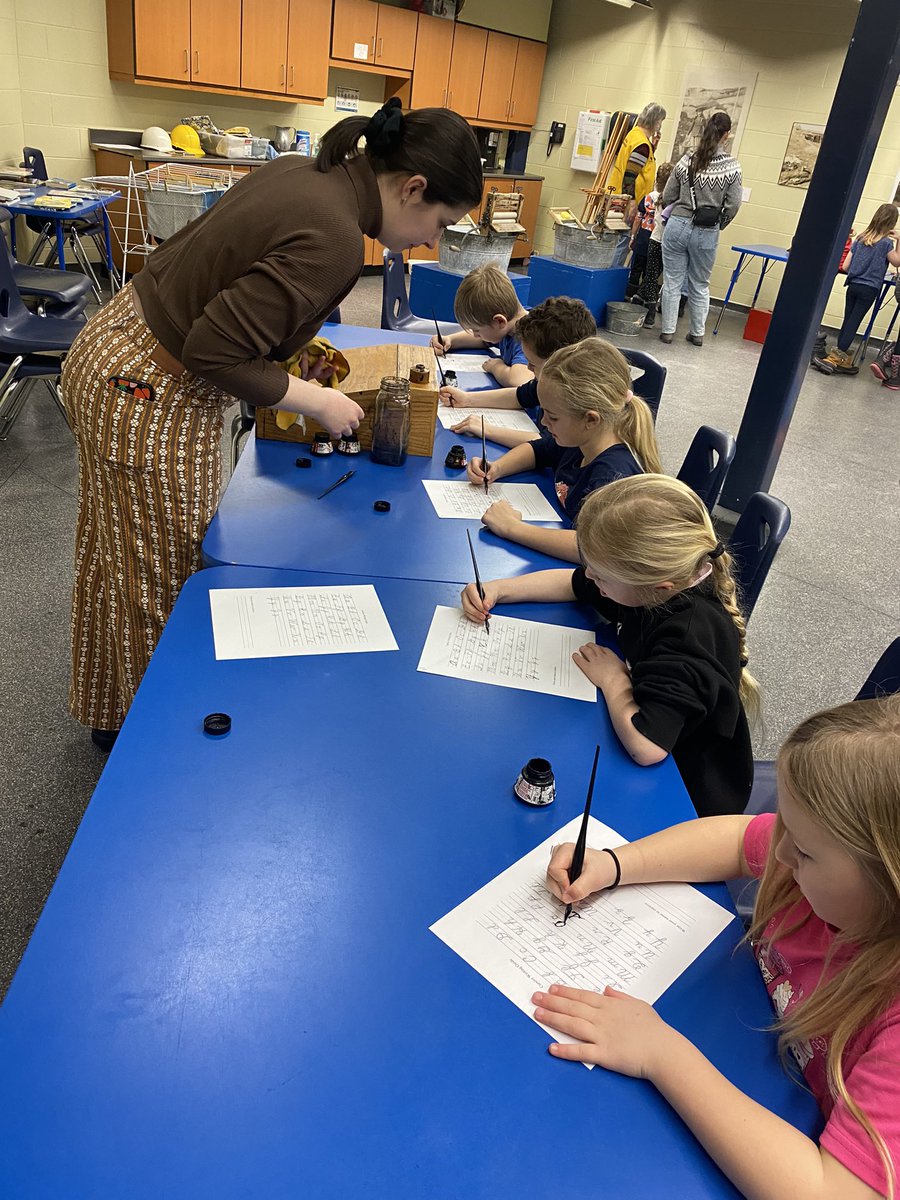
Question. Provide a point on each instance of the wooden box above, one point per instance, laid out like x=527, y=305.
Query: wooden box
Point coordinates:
x=368, y=366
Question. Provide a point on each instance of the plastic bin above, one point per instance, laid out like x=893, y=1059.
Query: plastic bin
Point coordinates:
x=550, y=277
x=757, y=324
x=463, y=252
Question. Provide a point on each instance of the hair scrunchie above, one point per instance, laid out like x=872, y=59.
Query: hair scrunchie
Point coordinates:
x=717, y=551
x=384, y=131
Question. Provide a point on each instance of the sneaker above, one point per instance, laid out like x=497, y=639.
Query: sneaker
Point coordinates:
x=843, y=363
x=822, y=364
x=873, y=367
x=891, y=385
x=694, y=340
x=666, y=337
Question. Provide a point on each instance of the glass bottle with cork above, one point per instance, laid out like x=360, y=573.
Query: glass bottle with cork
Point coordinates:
x=390, y=427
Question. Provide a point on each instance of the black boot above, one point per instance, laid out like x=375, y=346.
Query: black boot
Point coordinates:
x=104, y=739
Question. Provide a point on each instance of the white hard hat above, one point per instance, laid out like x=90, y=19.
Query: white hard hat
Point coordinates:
x=156, y=138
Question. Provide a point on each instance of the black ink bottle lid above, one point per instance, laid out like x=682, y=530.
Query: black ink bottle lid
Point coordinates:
x=536, y=784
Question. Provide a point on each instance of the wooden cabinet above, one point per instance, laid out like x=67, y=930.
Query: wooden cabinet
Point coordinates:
x=216, y=42
x=376, y=35
x=162, y=39
x=284, y=47
x=526, y=83
x=499, y=71
x=466, y=70
x=431, y=66
x=531, y=202
x=309, y=28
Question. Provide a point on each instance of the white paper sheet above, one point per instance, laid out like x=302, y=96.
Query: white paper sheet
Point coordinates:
x=505, y=418
x=278, y=622
x=638, y=939
x=464, y=364
x=529, y=655
x=459, y=498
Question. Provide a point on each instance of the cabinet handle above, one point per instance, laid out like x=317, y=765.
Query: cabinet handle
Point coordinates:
x=380, y=46
x=197, y=62
x=187, y=65
x=449, y=99
x=444, y=98
x=292, y=76
x=512, y=107
x=373, y=46
x=282, y=81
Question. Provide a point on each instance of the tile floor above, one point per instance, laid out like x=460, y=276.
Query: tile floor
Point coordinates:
x=830, y=605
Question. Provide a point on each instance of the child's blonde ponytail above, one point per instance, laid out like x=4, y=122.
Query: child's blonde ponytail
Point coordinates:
x=636, y=429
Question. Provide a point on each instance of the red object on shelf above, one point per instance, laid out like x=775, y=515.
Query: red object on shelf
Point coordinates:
x=757, y=325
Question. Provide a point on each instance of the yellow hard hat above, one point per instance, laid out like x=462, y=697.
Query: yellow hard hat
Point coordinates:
x=186, y=138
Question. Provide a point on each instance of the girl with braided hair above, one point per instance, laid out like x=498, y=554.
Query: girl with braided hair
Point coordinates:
x=654, y=567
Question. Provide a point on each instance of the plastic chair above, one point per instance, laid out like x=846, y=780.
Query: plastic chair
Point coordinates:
x=650, y=383
x=760, y=530
x=396, y=314
x=244, y=420
x=31, y=347
x=706, y=463
x=58, y=293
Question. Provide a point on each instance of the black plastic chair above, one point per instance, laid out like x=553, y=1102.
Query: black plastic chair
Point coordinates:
x=706, y=463
x=31, y=347
x=56, y=293
x=245, y=419
x=650, y=383
x=760, y=530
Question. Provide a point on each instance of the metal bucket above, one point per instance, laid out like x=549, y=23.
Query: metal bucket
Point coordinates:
x=463, y=252
x=576, y=246
x=622, y=317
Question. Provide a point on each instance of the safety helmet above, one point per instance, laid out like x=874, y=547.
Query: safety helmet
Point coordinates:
x=156, y=138
x=187, y=139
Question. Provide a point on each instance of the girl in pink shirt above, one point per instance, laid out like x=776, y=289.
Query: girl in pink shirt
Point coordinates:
x=826, y=932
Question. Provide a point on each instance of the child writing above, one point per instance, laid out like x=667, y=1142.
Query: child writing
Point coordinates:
x=488, y=308
x=653, y=266
x=655, y=568
x=556, y=322
x=825, y=932
x=870, y=254
x=597, y=431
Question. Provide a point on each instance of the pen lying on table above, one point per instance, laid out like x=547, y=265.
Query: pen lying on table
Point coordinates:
x=337, y=483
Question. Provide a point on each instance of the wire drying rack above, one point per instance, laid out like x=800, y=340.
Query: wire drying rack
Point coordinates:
x=159, y=202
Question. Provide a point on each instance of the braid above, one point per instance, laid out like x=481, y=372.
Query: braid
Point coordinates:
x=726, y=590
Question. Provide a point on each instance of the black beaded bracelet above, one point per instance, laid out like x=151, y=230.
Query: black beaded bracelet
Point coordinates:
x=612, y=854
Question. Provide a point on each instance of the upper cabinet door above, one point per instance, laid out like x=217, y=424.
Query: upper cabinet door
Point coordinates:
x=264, y=45
x=355, y=23
x=499, y=70
x=466, y=69
x=396, y=46
x=526, y=87
x=216, y=42
x=162, y=39
x=434, y=44
x=309, y=33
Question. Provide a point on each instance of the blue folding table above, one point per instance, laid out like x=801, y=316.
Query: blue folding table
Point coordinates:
x=86, y=208
x=233, y=991
x=769, y=255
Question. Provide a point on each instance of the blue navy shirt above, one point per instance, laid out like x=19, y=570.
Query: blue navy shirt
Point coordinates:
x=573, y=482
x=869, y=264
x=527, y=396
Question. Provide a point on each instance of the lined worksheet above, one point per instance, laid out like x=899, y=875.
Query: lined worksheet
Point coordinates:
x=638, y=939
x=459, y=498
x=464, y=363
x=528, y=655
x=504, y=418
x=278, y=622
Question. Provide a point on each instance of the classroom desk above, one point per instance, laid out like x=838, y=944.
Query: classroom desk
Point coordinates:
x=887, y=287
x=768, y=254
x=232, y=990
x=81, y=212
x=269, y=515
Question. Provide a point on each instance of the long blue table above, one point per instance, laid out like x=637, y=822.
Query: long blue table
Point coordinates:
x=269, y=515
x=233, y=992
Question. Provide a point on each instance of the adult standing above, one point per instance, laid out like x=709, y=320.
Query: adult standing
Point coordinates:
x=207, y=320
x=634, y=171
x=705, y=192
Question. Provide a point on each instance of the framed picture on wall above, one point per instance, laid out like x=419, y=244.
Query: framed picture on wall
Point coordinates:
x=800, y=155
x=706, y=90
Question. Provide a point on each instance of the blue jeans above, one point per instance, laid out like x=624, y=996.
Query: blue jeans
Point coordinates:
x=688, y=252
x=621, y=251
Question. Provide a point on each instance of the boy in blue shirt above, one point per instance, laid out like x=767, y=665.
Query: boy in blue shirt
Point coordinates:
x=488, y=309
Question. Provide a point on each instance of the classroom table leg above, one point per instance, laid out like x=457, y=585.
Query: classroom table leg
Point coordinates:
x=60, y=242
x=735, y=276
x=879, y=304
x=767, y=262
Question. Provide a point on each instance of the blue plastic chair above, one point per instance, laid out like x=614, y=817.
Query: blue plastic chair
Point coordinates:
x=706, y=463
x=31, y=347
x=58, y=293
x=650, y=383
x=760, y=530
x=396, y=314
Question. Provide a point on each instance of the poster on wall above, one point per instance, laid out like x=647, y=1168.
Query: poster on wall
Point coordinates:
x=591, y=133
x=800, y=155
x=707, y=90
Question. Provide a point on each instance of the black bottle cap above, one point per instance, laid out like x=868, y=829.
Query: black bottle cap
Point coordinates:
x=303, y=462
x=216, y=724
x=382, y=506
x=537, y=771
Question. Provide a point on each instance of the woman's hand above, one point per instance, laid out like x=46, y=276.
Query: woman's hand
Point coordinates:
x=441, y=345
x=598, y=872
x=501, y=518
x=452, y=397
x=337, y=412
x=476, y=472
x=602, y=667
x=614, y=1030
x=476, y=609
x=321, y=369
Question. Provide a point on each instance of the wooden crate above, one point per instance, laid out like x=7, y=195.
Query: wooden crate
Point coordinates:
x=368, y=366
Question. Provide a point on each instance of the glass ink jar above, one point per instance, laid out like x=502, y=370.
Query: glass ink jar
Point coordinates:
x=390, y=427
x=536, y=784
x=321, y=444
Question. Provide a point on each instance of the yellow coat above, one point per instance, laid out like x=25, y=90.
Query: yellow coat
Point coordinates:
x=645, y=181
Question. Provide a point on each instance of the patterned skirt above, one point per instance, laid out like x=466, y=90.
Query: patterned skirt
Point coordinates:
x=149, y=471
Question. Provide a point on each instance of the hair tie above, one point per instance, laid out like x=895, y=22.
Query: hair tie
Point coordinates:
x=629, y=397
x=717, y=551
x=384, y=131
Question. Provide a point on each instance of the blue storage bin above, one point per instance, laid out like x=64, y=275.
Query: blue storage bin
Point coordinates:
x=431, y=287
x=550, y=277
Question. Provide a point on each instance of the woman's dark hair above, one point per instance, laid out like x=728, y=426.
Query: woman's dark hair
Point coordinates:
x=713, y=131
x=433, y=142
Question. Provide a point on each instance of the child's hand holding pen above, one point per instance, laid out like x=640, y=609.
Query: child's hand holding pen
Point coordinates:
x=476, y=471
x=473, y=606
x=442, y=344
x=598, y=872
x=453, y=397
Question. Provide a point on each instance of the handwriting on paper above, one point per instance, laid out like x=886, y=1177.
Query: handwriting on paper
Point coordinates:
x=454, y=498
x=503, y=418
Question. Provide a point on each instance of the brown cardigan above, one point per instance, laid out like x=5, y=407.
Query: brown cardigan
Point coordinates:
x=253, y=279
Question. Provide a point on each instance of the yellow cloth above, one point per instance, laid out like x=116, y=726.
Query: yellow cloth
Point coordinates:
x=645, y=181
x=318, y=348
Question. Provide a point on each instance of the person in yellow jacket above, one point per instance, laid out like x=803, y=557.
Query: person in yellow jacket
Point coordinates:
x=634, y=170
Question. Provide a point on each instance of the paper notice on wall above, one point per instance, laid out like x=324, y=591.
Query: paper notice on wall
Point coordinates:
x=346, y=99
x=591, y=131
x=360, y=49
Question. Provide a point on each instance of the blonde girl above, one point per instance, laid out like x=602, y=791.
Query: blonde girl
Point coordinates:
x=655, y=568
x=826, y=933
x=597, y=430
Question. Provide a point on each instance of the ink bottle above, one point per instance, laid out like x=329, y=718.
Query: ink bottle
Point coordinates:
x=321, y=444
x=390, y=427
x=536, y=784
